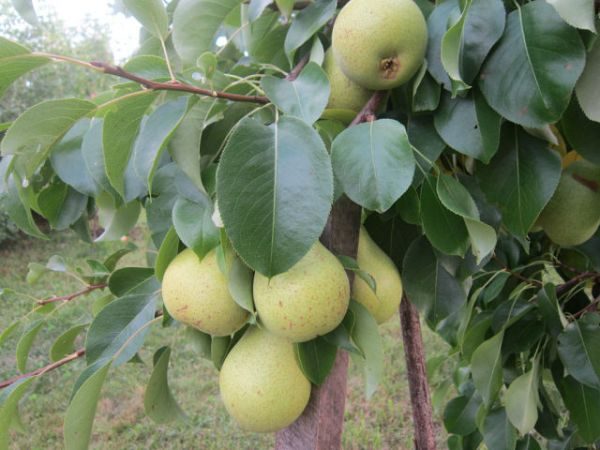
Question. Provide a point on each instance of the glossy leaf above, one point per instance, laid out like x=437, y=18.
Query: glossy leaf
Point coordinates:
x=304, y=98
x=521, y=400
x=583, y=404
x=308, y=22
x=498, y=432
x=159, y=403
x=486, y=367
x=25, y=343
x=194, y=226
x=65, y=343
x=460, y=415
x=581, y=132
x=151, y=14
x=579, y=350
x=545, y=57
x=316, y=358
x=287, y=167
x=129, y=279
x=374, y=163
x=587, y=89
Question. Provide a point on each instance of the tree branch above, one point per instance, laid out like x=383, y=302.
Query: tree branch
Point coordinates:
x=368, y=113
x=575, y=281
x=69, y=297
x=298, y=68
x=593, y=304
x=176, y=85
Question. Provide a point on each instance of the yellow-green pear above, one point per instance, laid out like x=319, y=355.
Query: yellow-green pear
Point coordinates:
x=307, y=301
x=380, y=44
x=195, y=293
x=572, y=215
x=345, y=93
x=384, y=303
x=261, y=384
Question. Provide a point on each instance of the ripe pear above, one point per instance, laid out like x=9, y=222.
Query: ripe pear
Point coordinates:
x=380, y=44
x=307, y=301
x=345, y=93
x=261, y=384
x=195, y=292
x=572, y=215
x=383, y=303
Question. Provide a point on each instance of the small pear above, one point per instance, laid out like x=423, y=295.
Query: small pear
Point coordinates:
x=261, y=385
x=307, y=301
x=345, y=94
x=384, y=303
x=380, y=44
x=195, y=293
x=572, y=215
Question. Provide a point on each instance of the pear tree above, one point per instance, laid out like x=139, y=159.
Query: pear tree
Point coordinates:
x=306, y=169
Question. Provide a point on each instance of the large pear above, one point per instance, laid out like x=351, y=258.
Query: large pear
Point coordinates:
x=261, y=384
x=195, y=292
x=572, y=215
x=380, y=44
x=384, y=303
x=345, y=93
x=307, y=301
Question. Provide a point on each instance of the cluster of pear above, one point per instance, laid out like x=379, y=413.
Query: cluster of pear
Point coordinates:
x=261, y=383
x=572, y=215
x=376, y=45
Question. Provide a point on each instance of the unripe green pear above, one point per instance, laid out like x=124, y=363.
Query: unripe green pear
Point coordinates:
x=572, y=215
x=261, y=384
x=307, y=301
x=380, y=44
x=384, y=303
x=195, y=292
x=345, y=93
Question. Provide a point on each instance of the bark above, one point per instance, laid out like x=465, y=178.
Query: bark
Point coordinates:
x=320, y=426
x=424, y=429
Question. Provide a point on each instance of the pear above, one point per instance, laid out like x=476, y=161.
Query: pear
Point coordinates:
x=572, y=215
x=308, y=300
x=380, y=44
x=195, y=293
x=261, y=385
x=345, y=94
x=384, y=303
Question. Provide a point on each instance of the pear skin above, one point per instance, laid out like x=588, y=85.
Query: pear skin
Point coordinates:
x=345, y=93
x=261, y=385
x=195, y=292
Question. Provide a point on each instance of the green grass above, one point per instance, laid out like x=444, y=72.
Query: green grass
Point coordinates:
x=382, y=422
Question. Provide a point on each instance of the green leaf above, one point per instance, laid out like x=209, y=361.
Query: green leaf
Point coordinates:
x=469, y=126
x=521, y=400
x=65, y=343
x=166, y=253
x=219, y=348
x=351, y=264
x=25, y=343
x=256, y=8
x=520, y=179
x=33, y=133
x=148, y=66
x=9, y=405
x=550, y=309
x=159, y=403
x=316, y=358
x=119, y=330
x=365, y=335
x=128, y=279
x=579, y=350
x=194, y=226
x=93, y=159
x=545, y=57
x=460, y=415
x=13, y=204
x=240, y=284
x=582, y=133
x=111, y=261
x=374, y=163
x=437, y=24
x=26, y=11
x=200, y=341
x=16, y=61
x=587, y=87
x=9, y=331
x=486, y=368
x=429, y=286
x=151, y=14
x=195, y=25
x=308, y=22
x=121, y=125
x=583, y=404
x=117, y=221
x=305, y=97
x=286, y=167
x=80, y=414
x=577, y=13
x=498, y=432
x=285, y=6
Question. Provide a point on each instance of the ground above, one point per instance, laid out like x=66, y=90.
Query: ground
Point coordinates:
x=383, y=422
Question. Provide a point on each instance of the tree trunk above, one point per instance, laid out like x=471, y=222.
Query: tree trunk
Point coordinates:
x=424, y=430
x=320, y=425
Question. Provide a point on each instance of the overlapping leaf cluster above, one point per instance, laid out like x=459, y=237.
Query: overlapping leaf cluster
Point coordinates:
x=452, y=177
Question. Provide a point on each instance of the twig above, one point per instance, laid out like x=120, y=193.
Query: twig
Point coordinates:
x=367, y=114
x=176, y=85
x=69, y=297
x=588, y=308
x=298, y=68
x=576, y=280
x=67, y=359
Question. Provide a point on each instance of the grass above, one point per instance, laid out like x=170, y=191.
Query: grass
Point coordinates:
x=383, y=422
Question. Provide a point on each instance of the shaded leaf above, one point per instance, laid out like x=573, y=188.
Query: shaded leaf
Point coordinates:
x=583, y=404
x=9, y=404
x=151, y=14
x=194, y=226
x=159, y=403
x=240, y=284
x=486, y=367
x=579, y=349
x=587, y=90
x=521, y=400
x=166, y=253
x=498, y=432
x=64, y=344
x=25, y=343
x=316, y=358
x=308, y=22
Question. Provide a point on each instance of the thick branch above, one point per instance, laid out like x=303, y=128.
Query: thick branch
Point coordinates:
x=177, y=85
x=69, y=297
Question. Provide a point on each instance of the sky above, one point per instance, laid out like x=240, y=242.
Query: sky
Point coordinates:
x=124, y=30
